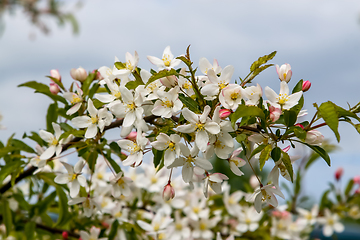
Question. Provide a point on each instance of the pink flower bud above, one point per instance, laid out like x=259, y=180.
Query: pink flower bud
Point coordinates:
x=254, y=182
x=98, y=75
x=276, y=214
x=357, y=179
x=65, y=235
x=79, y=74
x=274, y=113
x=306, y=86
x=170, y=81
x=224, y=113
x=338, y=173
x=169, y=192
x=284, y=72
x=55, y=74
x=105, y=224
x=132, y=136
x=54, y=88
x=299, y=125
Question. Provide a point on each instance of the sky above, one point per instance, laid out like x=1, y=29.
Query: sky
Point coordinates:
x=319, y=39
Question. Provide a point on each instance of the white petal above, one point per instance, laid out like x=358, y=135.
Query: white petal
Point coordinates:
x=91, y=131
x=91, y=108
x=201, y=140
x=74, y=188
x=81, y=122
x=48, y=153
x=190, y=116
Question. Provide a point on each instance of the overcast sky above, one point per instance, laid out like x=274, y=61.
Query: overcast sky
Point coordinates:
x=320, y=39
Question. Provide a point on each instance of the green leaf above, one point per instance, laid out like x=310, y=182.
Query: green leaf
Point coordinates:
x=24, y=205
x=63, y=206
x=35, y=137
x=93, y=90
x=328, y=112
x=185, y=60
x=86, y=84
x=51, y=116
x=287, y=162
x=9, y=168
x=357, y=127
x=59, y=83
x=158, y=156
x=161, y=74
x=120, y=65
x=264, y=155
x=30, y=230
x=190, y=103
x=324, y=200
x=290, y=117
x=300, y=133
x=257, y=150
x=345, y=113
x=276, y=154
x=262, y=60
x=113, y=230
x=113, y=164
x=245, y=111
x=319, y=151
x=91, y=160
x=297, y=186
x=240, y=137
x=298, y=87
x=349, y=187
x=7, y=215
x=44, y=89
x=22, y=146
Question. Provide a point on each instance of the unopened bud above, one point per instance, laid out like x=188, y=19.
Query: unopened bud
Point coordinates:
x=169, y=192
x=79, y=74
x=299, y=125
x=306, y=86
x=254, y=182
x=356, y=179
x=132, y=136
x=105, y=224
x=274, y=113
x=54, y=88
x=98, y=75
x=65, y=235
x=314, y=137
x=338, y=174
x=224, y=113
x=55, y=74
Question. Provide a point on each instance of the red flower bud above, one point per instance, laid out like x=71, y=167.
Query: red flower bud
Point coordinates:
x=224, y=113
x=169, y=192
x=306, y=86
x=54, y=88
x=338, y=174
x=55, y=74
x=299, y=125
x=65, y=235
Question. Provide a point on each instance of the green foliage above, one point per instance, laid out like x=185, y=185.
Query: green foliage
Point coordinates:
x=246, y=111
x=264, y=155
x=44, y=89
x=287, y=162
x=327, y=111
x=189, y=103
x=161, y=74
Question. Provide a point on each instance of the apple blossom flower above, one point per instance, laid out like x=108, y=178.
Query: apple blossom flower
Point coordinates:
x=169, y=81
x=79, y=74
x=354, y=212
x=201, y=124
x=73, y=177
x=216, y=84
x=168, y=103
x=98, y=118
x=158, y=224
x=308, y=217
x=284, y=72
x=115, y=93
x=306, y=86
x=75, y=99
x=331, y=223
x=36, y=161
x=89, y=205
x=190, y=158
x=94, y=234
x=112, y=73
x=275, y=113
x=231, y=202
x=166, y=62
x=203, y=225
x=248, y=219
x=130, y=108
x=230, y=96
x=214, y=181
x=205, y=65
x=218, y=237
x=236, y=162
x=54, y=142
x=314, y=137
x=136, y=149
x=265, y=194
x=120, y=185
x=130, y=64
x=253, y=94
x=171, y=145
x=181, y=228
x=283, y=100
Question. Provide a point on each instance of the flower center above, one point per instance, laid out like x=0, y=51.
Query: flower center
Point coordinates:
x=72, y=177
x=54, y=142
x=203, y=226
x=94, y=120
x=166, y=60
x=200, y=126
x=283, y=98
x=120, y=182
x=222, y=85
x=168, y=103
x=172, y=146
x=330, y=221
x=156, y=227
x=131, y=106
x=129, y=66
x=187, y=86
x=75, y=99
x=284, y=76
x=265, y=195
x=178, y=226
x=117, y=94
x=234, y=96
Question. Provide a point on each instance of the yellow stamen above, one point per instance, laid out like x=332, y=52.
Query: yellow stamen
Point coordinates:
x=131, y=106
x=94, y=120
x=168, y=103
x=234, y=96
x=172, y=146
x=75, y=99
x=117, y=94
x=200, y=126
x=203, y=226
x=167, y=61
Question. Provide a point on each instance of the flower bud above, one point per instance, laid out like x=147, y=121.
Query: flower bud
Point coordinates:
x=356, y=180
x=254, y=182
x=54, y=88
x=224, y=113
x=274, y=113
x=314, y=137
x=338, y=173
x=105, y=224
x=55, y=74
x=170, y=81
x=98, y=75
x=306, y=86
x=65, y=235
x=284, y=72
x=299, y=125
x=79, y=74
x=169, y=192
x=132, y=136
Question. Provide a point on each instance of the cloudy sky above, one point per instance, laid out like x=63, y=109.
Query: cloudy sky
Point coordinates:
x=320, y=39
